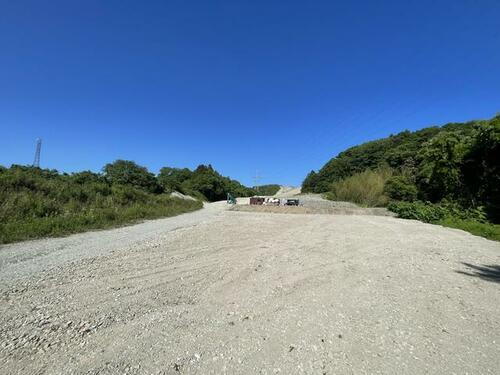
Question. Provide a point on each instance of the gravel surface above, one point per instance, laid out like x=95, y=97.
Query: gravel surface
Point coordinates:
x=238, y=292
x=377, y=211
x=317, y=201
x=23, y=259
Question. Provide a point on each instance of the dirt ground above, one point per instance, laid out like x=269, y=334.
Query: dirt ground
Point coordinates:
x=230, y=292
x=313, y=210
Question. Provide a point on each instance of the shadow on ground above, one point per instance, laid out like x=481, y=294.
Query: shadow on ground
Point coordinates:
x=489, y=273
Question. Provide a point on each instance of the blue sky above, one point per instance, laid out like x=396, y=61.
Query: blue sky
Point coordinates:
x=274, y=86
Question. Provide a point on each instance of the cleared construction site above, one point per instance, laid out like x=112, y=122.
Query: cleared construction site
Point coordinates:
x=291, y=201
x=222, y=291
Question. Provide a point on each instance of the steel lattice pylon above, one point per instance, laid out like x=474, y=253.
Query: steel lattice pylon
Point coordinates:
x=36, y=162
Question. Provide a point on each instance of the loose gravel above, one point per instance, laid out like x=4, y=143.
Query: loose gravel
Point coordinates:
x=218, y=291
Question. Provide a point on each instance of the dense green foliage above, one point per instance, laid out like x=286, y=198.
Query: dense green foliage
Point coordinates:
x=266, y=189
x=400, y=188
x=473, y=220
x=365, y=188
x=125, y=172
x=396, y=151
x=36, y=203
x=446, y=175
x=456, y=162
x=204, y=182
x=433, y=212
x=400, y=151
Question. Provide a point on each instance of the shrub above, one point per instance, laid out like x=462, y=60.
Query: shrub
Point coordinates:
x=433, y=213
x=400, y=188
x=472, y=220
x=365, y=188
x=426, y=212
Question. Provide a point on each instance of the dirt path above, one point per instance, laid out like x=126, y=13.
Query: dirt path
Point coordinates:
x=260, y=293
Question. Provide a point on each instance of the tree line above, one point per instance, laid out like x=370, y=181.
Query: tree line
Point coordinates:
x=454, y=168
x=38, y=202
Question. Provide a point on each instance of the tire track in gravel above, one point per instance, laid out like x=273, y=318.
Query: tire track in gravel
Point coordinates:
x=261, y=293
x=24, y=259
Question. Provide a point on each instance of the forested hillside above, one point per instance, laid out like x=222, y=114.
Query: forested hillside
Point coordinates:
x=397, y=151
x=456, y=165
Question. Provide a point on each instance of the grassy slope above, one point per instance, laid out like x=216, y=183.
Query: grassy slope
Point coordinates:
x=486, y=230
x=96, y=218
x=38, y=203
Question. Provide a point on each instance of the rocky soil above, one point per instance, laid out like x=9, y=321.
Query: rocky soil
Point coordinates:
x=219, y=291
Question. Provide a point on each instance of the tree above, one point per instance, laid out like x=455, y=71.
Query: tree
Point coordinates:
x=440, y=173
x=481, y=168
x=126, y=172
x=171, y=179
x=204, y=180
x=400, y=188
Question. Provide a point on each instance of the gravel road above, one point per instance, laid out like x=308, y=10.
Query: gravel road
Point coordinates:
x=24, y=259
x=220, y=291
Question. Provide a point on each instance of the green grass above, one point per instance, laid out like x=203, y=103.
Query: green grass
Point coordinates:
x=486, y=230
x=92, y=218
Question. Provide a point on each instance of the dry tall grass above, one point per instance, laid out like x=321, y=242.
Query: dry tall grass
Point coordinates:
x=365, y=188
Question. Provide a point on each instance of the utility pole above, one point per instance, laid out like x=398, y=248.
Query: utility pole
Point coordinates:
x=36, y=161
x=256, y=180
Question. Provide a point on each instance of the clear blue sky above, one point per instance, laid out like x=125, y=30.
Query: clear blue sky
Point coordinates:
x=278, y=86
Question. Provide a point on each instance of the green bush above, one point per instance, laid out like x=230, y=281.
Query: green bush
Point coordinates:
x=433, y=213
x=365, y=188
x=400, y=188
x=449, y=214
x=426, y=212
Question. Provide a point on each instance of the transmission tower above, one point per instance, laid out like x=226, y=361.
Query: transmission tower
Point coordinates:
x=36, y=162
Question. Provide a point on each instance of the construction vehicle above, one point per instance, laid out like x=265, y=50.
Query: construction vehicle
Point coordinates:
x=230, y=199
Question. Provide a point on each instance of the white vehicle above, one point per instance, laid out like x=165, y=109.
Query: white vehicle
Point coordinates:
x=272, y=202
